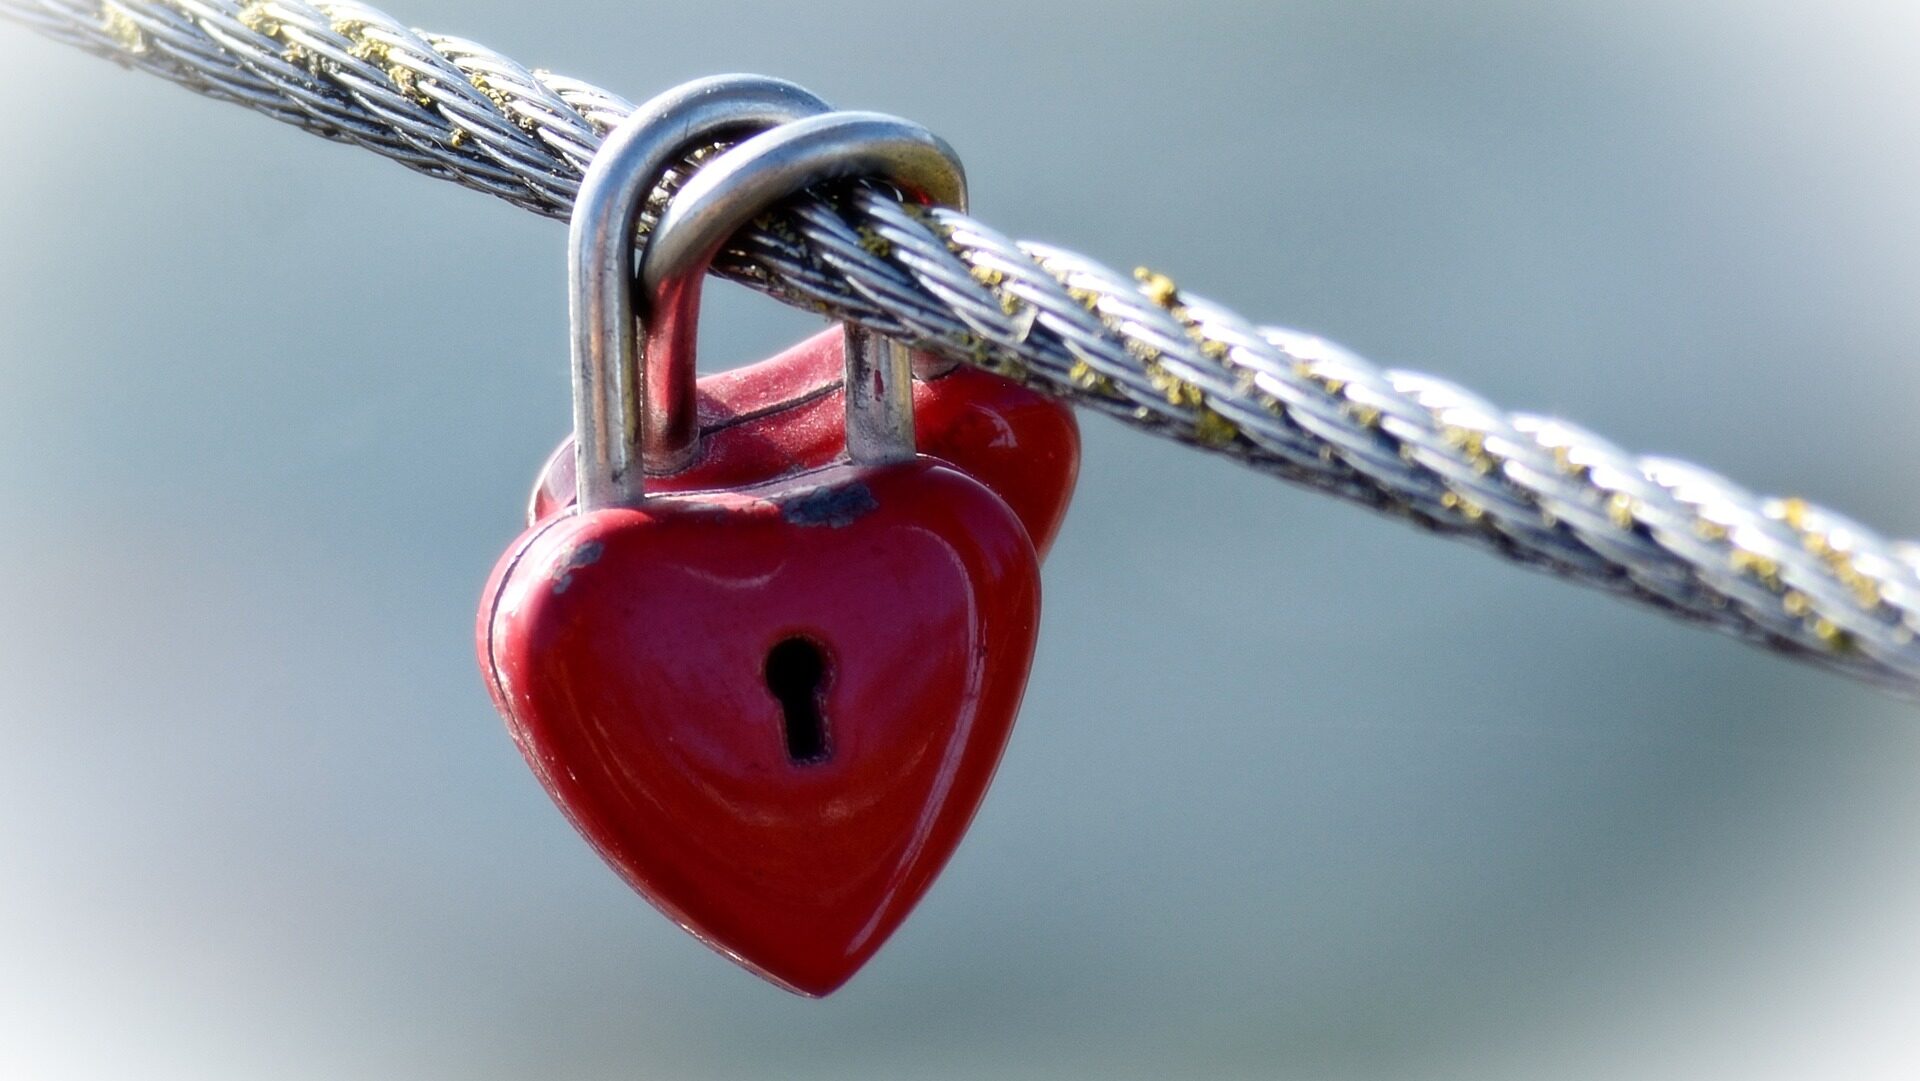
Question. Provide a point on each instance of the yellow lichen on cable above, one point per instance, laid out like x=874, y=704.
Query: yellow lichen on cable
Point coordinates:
x=1622, y=510
x=121, y=27
x=873, y=243
x=1158, y=287
x=365, y=47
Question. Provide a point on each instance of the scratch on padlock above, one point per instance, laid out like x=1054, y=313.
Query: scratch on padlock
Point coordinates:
x=585, y=555
x=837, y=507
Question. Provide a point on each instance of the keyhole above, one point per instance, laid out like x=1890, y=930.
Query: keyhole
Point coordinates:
x=796, y=669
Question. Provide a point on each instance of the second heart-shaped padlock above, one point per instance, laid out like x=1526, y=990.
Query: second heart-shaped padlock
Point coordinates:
x=783, y=415
x=772, y=708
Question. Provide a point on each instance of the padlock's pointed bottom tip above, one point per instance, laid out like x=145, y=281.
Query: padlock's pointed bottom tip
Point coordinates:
x=814, y=992
x=810, y=985
x=813, y=980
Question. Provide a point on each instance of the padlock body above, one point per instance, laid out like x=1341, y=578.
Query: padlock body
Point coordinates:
x=787, y=414
x=632, y=654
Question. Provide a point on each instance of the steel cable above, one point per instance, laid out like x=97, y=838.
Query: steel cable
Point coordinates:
x=1781, y=573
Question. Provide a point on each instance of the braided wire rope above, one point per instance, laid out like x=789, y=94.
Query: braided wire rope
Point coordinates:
x=1780, y=573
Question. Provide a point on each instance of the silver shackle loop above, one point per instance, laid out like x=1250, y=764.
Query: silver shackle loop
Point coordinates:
x=611, y=390
x=740, y=185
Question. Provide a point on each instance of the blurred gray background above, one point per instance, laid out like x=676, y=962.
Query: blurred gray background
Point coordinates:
x=1297, y=792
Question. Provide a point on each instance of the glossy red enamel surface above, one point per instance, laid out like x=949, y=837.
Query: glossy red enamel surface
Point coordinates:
x=628, y=650
x=787, y=414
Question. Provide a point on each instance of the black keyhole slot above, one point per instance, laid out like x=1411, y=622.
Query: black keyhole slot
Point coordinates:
x=796, y=675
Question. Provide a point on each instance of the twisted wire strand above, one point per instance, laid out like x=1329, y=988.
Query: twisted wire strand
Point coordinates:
x=1780, y=573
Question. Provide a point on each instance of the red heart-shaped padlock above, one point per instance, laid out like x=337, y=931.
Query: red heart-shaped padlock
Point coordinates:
x=772, y=707
x=782, y=415
x=773, y=711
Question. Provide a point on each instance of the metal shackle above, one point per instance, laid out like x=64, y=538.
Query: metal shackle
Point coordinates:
x=611, y=391
x=634, y=405
x=728, y=194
